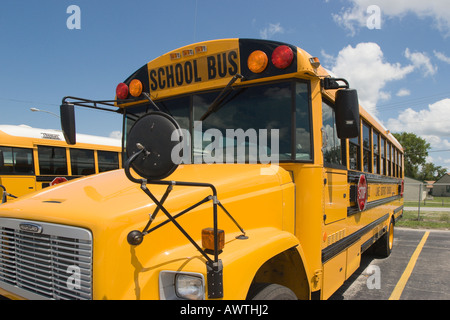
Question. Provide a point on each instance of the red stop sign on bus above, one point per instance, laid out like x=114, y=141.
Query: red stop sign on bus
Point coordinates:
x=58, y=180
x=361, y=193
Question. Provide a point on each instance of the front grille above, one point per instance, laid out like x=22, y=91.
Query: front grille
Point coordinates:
x=53, y=263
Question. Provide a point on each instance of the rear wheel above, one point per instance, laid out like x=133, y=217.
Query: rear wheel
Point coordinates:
x=383, y=247
x=270, y=291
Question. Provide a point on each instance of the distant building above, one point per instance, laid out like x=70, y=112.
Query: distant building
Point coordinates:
x=412, y=188
x=441, y=187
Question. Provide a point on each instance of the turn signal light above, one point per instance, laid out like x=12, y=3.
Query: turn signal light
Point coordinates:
x=257, y=61
x=208, y=239
x=135, y=88
x=122, y=91
x=282, y=57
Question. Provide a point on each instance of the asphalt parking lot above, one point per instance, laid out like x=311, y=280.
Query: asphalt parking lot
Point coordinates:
x=417, y=269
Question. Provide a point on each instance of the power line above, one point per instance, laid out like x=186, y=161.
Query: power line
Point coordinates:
x=410, y=102
x=30, y=102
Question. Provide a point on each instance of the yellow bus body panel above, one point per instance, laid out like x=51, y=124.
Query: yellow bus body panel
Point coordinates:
x=258, y=196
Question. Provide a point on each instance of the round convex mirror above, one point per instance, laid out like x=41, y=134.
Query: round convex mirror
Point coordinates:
x=154, y=132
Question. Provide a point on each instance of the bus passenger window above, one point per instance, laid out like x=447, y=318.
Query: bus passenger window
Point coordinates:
x=354, y=156
x=82, y=162
x=52, y=160
x=383, y=156
x=107, y=161
x=332, y=152
x=367, y=158
x=17, y=161
x=376, y=153
x=388, y=156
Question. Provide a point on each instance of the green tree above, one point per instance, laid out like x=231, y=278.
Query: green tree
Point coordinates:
x=415, y=150
x=431, y=172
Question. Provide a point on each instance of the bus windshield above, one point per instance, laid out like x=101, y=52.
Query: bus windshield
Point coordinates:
x=250, y=125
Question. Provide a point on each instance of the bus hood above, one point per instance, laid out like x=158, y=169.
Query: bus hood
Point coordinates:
x=259, y=197
x=112, y=197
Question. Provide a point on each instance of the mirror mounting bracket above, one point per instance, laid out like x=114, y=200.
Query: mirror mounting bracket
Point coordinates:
x=148, y=137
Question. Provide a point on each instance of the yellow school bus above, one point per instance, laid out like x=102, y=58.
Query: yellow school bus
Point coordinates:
x=250, y=173
x=33, y=158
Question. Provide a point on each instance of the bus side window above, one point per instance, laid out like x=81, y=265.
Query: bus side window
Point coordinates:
x=17, y=161
x=332, y=146
x=383, y=156
x=376, y=153
x=367, y=146
x=52, y=160
x=107, y=161
x=354, y=154
x=83, y=162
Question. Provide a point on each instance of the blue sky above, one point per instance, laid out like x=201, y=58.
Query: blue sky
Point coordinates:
x=401, y=67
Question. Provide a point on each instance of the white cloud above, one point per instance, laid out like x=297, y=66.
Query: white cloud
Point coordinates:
x=356, y=16
x=365, y=68
x=421, y=61
x=430, y=124
x=403, y=93
x=442, y=57
x=271, y=30
x=432, y=121
x=116, y=135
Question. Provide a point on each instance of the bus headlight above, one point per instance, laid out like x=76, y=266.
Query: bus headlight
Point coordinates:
x=175, y=285
x=189, y=287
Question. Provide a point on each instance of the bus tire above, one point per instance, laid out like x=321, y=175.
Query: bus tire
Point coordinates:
x=270, y=291
x=383, y=247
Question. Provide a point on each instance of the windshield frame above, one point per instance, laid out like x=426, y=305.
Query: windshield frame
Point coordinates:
x=142, y=109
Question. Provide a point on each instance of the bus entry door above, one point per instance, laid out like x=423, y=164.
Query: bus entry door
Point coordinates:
x=336, y=195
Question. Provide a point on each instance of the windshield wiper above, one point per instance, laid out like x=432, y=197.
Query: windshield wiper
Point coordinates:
x=217, y=103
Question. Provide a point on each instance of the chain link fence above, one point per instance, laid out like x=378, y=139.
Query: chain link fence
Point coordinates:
x=427, y=203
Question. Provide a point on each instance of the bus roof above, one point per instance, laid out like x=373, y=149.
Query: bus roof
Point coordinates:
x=56, y=135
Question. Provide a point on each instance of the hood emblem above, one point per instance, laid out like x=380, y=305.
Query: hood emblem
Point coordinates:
x=30, y=227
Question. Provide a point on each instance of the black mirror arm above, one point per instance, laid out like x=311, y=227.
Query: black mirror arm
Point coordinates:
x=332, y=83
x=127, y=168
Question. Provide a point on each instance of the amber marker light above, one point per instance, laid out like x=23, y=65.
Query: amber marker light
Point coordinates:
x=315, y=62
x=135, y=88
x=175, y=56
x=208, y=239
x=201, y=49
x=188, y=53
x=257, y=61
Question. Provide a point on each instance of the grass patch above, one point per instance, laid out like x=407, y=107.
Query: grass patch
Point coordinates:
x=435, y=202
x=427, y=220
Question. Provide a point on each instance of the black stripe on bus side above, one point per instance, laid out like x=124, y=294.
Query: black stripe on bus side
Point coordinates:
x=372, y=204
x=353, y=176
x=396, y=211
x=336, y=248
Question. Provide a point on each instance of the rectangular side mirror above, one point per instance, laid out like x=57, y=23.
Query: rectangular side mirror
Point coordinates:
x=67, y=112
x=347, y=113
